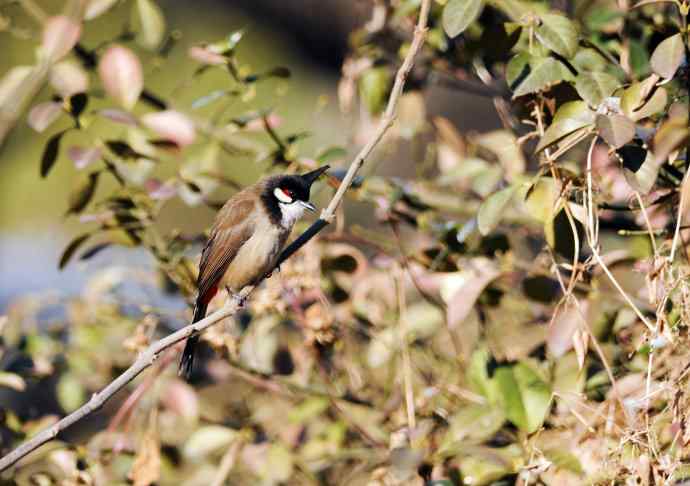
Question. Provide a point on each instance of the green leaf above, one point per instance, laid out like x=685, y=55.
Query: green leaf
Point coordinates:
x=568, y=379
x=617, y=130
x=517, y=10
x=149, y=18
x=477, y=374
x=526, y=397
x=82, y=193
x=208, y=440
x=279, y=464
x=545, y=72
x=50, y=153
x=668, y=56
x=594, y=87
x=374, y=85
x=558, y=34
x=639, y=58
x=540, y=200
x=70, y=392
x=655, y=104
x=471, y=424
x=639, y=167
x=589, y=60
x=123, y=149
x=517, y=67
x=505, y=145
x=226, y=46
x=71, y=248
x=308, y=410
x=94, y=250
x=459, y=14
x=492, y=210
x=474, y=422
x=635, y=95
x=487, y=465
x=569, y=117
x=331, y=154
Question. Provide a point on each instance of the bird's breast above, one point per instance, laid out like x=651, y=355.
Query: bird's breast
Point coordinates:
x=255, y=257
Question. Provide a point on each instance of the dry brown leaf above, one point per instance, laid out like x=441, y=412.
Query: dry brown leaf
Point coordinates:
x=146, y=469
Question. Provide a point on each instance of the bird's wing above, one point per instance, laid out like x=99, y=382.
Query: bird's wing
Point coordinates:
x=231, y=231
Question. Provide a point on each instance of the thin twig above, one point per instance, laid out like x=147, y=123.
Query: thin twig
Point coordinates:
x=405, y=351
x=681, y=205
x=648, y=223
x=227, y=463
x=592, y=231
x=126, y=408
x=388, y=116
x=151, y=354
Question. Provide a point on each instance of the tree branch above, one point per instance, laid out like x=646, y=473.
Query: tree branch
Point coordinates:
x=148, y=357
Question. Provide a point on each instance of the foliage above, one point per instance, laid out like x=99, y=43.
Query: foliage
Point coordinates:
x=517, y=310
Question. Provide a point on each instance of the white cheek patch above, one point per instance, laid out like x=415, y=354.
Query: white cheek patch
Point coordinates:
x=281, y=196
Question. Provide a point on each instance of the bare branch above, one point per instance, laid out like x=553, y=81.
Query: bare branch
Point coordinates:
x=148, y=357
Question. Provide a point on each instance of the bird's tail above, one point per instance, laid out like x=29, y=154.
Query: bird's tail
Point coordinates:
x=187, y=362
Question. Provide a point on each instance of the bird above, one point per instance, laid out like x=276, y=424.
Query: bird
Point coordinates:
x=245, y=241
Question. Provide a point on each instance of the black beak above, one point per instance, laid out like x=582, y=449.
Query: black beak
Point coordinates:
x=310, y=177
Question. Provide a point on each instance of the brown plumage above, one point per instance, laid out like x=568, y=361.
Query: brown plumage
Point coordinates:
x=245, y=242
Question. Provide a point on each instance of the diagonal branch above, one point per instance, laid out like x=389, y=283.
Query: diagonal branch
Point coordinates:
x=148, y=357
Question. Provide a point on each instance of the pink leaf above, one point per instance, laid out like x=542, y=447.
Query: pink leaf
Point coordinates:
x=171, y=125
x=204, y=56
x=43, y=114
x=60, y=34
x=83, y=156
x=160, y=191
x=68, y=78
x=257, y=124
x=121, y=74
x=462, y=289
x=559, y=339
x=181, y=399
x=119, y=116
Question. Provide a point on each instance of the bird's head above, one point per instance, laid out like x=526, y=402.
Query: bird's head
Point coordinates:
x=290, y=194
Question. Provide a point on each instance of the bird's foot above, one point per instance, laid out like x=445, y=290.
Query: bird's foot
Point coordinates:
x=239, y=298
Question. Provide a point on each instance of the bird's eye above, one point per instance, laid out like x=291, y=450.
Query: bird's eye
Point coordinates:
x=288, y=192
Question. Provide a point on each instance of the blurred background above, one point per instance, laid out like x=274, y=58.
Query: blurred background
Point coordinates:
x=33, y=229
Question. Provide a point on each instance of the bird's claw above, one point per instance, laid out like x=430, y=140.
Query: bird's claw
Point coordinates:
x=240, y=299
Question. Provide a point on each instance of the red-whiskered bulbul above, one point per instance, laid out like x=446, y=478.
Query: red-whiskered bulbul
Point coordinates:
x=245, y=242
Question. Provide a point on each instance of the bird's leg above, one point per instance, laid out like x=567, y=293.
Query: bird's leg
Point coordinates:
x=238, y=297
